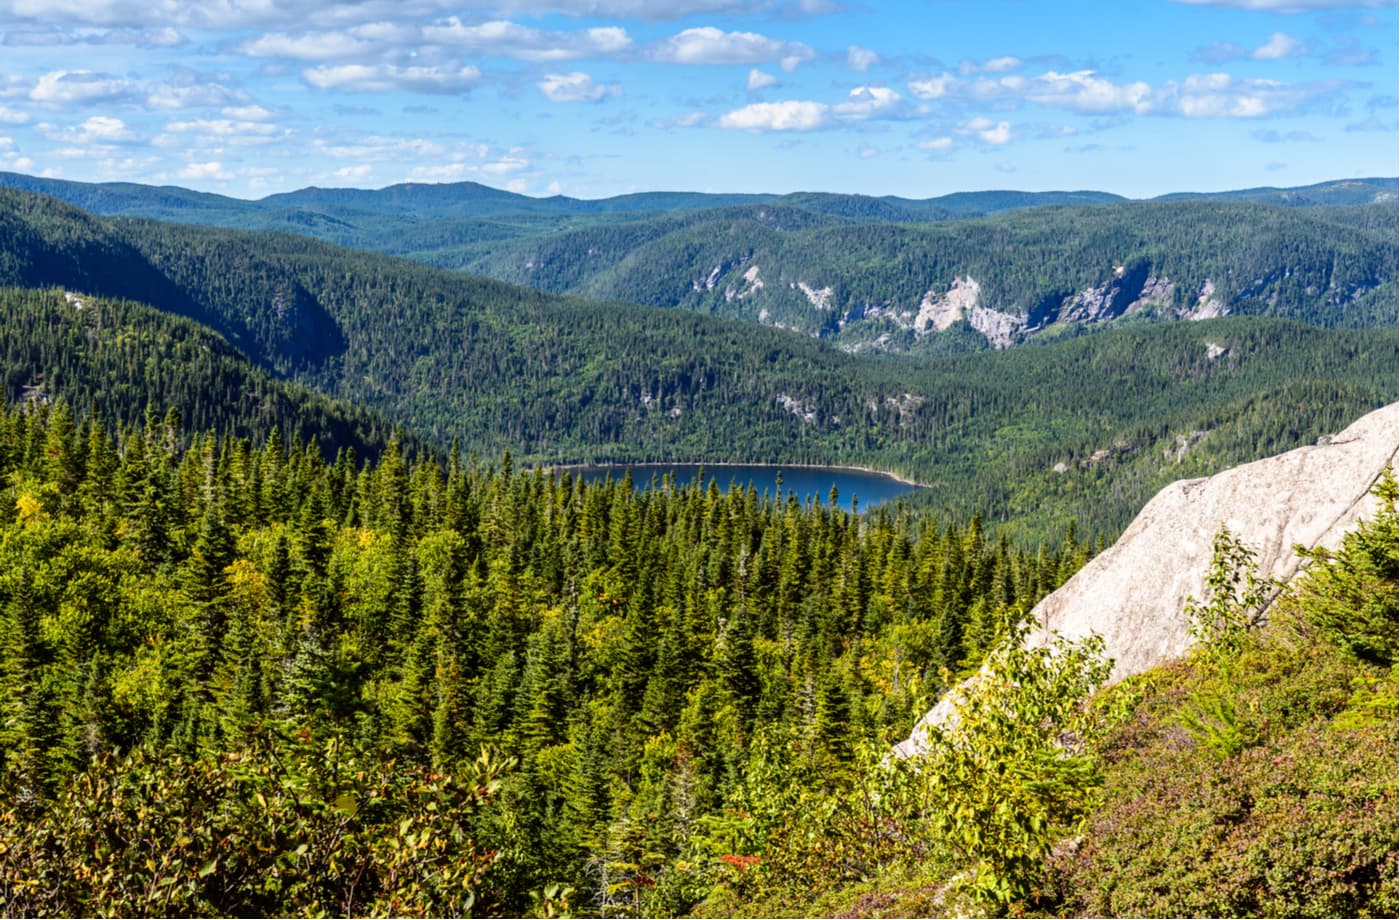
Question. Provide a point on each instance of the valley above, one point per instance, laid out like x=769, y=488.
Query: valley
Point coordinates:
x=396, y=588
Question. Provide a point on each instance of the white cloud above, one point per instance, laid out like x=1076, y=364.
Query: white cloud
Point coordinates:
x=934, y=87
x=380, y=78
x=867, y=102
x=861, y=59
x=576, y=87
x=247, y=112
x=1085, y=91
x=759, y=80
x=1219, y=95
x=44, y=37
x=308, y=46
x=1279, y=46
x=377, y=148
x=778, y=116
x=937, y=144
x=497, y=38
x=989, y=132
x=66, y=87
x=456, y=171
x=227, y=130
x=214, y=169
x=1088, y=93
x=192, y=91
x=97, y=130
x=708, y=45
x=509, y=39
x=1002, y=64
x=9, y=116
x=354, y=172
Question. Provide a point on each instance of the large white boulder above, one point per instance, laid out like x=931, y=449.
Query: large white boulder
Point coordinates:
x=1134, y=593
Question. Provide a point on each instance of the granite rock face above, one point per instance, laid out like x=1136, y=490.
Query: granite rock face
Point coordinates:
x=1134, y=593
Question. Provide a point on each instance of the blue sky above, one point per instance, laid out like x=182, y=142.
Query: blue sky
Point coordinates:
x=601, y=97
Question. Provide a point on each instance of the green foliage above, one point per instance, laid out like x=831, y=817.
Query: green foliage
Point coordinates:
x=1262, y=783
x=1238, y=599
x=290, y=827
x=1350, y=597
x=1014, y=770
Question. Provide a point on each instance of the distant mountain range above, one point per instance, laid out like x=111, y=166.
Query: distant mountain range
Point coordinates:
x=954, y=273
x=422, y=201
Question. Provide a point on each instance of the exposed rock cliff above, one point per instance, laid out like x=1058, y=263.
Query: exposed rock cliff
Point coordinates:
x=1134, y=593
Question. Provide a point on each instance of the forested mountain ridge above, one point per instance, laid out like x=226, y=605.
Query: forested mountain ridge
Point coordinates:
x=1087, y=427
x=120, y=359
x=967, y=284
x=866, y=272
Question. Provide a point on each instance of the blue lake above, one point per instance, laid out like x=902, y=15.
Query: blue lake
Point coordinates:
x=806, y=482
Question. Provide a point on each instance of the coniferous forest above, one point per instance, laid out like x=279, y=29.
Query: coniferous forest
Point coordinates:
x=400, y=687
x=296, y=620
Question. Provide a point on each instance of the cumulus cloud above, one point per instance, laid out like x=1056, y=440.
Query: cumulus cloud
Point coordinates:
x=264, y=14
x=248, y=112
x=510, y=39
x=213, y=169
x=708, y=45
x=378, y=148
x=778, y=116
x=937, y=144
x=222, y=14
x=1085, y=91
x=1219, y=95
x=97, y=130
x=861, y=104
x=192, y=90
x=934, y=87
x=576, y=87
x=497, y=38
x=759, y=80
x=66, y=87
x=308, y=46
x=1002, y=64
x=861, y=59
x=867, y=102
x=382, y=78
x=1280, y=45
x=988, y=131
x=50, y=37
x=9, y=116
x=228, y=130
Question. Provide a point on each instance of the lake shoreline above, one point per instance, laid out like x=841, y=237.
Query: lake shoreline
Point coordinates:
x=841, y=467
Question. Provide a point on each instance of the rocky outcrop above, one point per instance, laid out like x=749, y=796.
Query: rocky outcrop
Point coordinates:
x=1134, y=593
x=937, y=313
